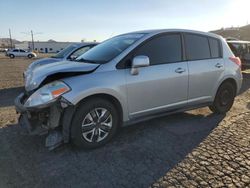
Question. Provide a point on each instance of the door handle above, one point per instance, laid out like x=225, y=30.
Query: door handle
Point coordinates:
x=218, y=65
x=180, y=70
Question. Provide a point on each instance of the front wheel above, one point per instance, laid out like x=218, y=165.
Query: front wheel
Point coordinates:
x=30, y=56
x=94, y=123
x=224, y=98
x=11, y=56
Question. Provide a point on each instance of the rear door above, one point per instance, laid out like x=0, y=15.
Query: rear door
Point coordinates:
x=23, y=53
x=206, y=66
x=162, y=85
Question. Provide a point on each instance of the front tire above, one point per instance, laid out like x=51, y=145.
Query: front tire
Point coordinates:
x=224, y=98
x=30, y=56
x=11, y=56
x=94, y=124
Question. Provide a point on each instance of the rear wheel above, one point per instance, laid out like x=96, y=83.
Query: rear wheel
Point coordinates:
x=11, y=56
x=94, y=123
x=224, y=98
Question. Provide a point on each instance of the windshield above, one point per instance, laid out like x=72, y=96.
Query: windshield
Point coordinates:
x=109, y=49
x=63, y=53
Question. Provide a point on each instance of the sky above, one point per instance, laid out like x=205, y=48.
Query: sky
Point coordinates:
x=65, y=20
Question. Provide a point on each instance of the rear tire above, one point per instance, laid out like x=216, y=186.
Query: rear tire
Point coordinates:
x=11, y=56
x=224, y=98
x=88, y=119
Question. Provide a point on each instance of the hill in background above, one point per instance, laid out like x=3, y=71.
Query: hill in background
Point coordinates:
x=5, y=42
x=242, y=33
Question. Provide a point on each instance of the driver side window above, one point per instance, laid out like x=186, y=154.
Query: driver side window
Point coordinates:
x=163, y=49
x=160, y=50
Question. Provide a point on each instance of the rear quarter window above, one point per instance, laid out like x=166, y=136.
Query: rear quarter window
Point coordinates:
x=215, y=48
x=197, y=47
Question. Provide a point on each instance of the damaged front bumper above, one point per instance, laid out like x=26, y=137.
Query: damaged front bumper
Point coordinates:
x=53, y=119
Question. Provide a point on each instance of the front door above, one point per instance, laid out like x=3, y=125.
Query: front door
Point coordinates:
x=163, y=85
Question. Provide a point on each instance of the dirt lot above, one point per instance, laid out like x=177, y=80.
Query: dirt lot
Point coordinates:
x=195, y=148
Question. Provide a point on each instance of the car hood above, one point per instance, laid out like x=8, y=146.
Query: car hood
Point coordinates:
x=44, y=61
x=55, y=71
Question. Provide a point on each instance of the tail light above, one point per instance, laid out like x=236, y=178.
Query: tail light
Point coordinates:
x=236, y=60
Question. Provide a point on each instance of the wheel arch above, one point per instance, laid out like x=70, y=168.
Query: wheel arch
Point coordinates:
x=107, y=97
x=230, y=80
x=69, y=113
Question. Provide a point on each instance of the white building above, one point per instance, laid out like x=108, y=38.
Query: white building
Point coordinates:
x=44, y=47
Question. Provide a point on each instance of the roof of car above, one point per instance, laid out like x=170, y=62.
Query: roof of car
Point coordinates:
x=158, y=31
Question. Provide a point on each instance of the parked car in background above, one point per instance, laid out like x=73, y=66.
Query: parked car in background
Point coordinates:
x=20, y=53
x=3, y=50
x=241, y=49
x=127, y=79
x=70, y=53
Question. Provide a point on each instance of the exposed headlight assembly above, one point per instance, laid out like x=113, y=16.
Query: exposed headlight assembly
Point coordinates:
x=47, y=94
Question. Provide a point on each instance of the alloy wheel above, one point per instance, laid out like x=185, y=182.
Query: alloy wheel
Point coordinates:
x=96, y=125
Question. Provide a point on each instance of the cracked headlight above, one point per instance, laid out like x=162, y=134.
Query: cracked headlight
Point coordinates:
x=47, y=94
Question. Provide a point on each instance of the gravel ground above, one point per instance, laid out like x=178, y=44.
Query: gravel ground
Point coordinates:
x=221, y=160
x=195, y=148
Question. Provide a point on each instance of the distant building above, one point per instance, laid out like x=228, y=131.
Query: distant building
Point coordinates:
x=44, y=47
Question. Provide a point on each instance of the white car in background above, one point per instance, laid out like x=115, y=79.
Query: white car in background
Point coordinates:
x=20, y=53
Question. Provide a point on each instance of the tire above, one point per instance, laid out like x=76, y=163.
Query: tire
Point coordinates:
x=82, y=123
x=30, y=56
x=224, y=98
x=11, y=56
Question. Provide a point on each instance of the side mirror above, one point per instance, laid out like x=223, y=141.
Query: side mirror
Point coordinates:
x=137, y=62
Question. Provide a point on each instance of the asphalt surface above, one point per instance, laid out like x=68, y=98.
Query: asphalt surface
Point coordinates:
x=139, y=156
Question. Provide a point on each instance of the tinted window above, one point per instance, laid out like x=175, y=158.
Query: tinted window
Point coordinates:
x=15, y=50
x=163, y=49
x=197, y=47
x=214, y=47
x=22, y=51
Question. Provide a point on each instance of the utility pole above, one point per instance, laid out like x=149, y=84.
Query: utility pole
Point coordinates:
x=32, y=40
x=10, y=39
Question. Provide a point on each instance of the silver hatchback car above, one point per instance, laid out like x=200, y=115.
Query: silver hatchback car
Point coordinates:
x=126, y=79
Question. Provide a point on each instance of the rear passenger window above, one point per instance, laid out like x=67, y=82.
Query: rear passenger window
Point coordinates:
x=214, y=47
x=197, y=47
x=163, y=49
